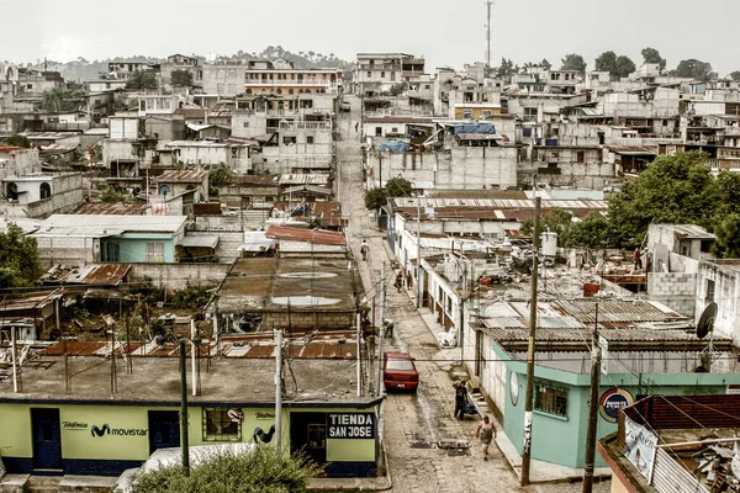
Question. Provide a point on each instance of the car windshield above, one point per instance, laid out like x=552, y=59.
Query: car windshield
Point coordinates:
x=399, y=364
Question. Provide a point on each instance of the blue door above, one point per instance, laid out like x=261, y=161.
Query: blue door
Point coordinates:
x=47, y=439
x=164, y=429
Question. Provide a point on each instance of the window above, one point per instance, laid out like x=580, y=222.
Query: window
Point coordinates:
x=309, y=139
x=369, y=74
x=441, y=294
x=246, y=124
x=467, y=114
x=382, y=75
x=378, y=131
x=580, y=156
x=394, y=130
x=218, y=426
x=289, y=140
x=399, y=364
x=449, y=305
x=709, y=295
x=550, y=398
x=155, y=251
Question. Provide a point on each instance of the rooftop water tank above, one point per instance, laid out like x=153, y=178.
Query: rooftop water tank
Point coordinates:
x=549, y=243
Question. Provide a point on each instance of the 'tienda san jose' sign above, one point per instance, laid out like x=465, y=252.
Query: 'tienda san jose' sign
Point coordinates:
x=350, y=425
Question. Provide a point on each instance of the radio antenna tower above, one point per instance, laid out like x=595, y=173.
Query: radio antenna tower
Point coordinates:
x=489, y=29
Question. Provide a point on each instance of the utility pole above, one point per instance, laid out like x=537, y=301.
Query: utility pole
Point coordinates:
x=588, y=470
x=418, y=252
x=278, y=389
x=184, y=441
x=194, y=358
x=489, y=37
x=529, y=402
x=359, y=357
x=381, y=331
x=14, y=357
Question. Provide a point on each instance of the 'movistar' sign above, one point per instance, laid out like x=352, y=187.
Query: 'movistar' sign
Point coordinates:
x=350, y=425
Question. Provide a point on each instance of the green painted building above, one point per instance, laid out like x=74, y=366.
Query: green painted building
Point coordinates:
x=562, y=387
x=91, y=430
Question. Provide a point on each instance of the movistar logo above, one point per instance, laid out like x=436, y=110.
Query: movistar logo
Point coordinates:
x=99, y=431
x=106, y=429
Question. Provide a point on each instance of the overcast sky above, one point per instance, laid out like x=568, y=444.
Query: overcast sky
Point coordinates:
x=448, y=32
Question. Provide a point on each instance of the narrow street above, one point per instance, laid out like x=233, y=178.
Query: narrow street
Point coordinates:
x=416, y=424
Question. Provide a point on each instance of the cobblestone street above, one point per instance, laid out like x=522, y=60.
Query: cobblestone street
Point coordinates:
x=416, y=424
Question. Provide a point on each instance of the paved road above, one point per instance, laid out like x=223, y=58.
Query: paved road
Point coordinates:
x=415, y=424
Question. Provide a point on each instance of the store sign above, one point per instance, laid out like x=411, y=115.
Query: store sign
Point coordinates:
x=612, y=401
x=356, y=426
x=640, y=447
x=106, y=429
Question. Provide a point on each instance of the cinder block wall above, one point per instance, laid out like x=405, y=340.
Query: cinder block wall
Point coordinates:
x=676, y=290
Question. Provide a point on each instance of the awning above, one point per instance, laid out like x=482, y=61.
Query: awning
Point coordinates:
x=199, y=242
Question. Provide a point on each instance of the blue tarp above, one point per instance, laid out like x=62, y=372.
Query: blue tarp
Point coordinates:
x=474, y=128
x=393, y=146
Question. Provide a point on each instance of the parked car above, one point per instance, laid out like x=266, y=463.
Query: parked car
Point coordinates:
x=399, y=372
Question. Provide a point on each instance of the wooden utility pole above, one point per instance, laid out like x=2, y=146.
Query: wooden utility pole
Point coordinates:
x=381, y=331
x=529, y=402
x=588, y=470
x=359, y=356
x=418, y=253
x=184, y=441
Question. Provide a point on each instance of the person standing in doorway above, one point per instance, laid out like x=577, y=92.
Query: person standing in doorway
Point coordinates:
x=638, y=259
x=460, y=398
x=485, y=432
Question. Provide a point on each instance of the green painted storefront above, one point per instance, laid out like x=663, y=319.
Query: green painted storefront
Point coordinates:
x=106, y=438
x=560, y=438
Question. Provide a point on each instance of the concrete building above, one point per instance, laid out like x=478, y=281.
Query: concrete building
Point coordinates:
x=74, y=432
x=236, y=157
x=376, y=73
x=125, y=68
x=176, y=182
x=718, y=281
x=17, y=161
x=76, y=238
x=41, y=195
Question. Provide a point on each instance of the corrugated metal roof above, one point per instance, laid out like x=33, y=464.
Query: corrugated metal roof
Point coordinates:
x=495, y=203
x=182, y=176
x=316, y=236
x=102, y=224
x=304, y=179
x=114, y=208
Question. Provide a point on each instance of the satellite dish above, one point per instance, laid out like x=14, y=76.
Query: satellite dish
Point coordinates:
x=706, y=321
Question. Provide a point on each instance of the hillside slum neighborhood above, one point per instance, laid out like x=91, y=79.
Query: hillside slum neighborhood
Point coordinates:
x=228, y=212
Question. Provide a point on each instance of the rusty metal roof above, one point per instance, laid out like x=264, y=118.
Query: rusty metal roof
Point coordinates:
x=182, y=176
x=315, y=236
x=113, y=208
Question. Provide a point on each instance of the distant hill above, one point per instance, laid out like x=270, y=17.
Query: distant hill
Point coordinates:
x=82, y=69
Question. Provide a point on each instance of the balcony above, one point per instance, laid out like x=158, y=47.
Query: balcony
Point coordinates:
x=305, y=125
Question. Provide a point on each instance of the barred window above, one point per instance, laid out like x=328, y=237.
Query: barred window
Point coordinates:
x=218, y=426
x=550, y=398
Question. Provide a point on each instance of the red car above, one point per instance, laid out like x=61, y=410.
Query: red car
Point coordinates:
x=399, y=372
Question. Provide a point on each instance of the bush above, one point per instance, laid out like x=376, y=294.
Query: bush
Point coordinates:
x=190, y=297
x=19, y=259
x=262, y=471
x=398, y=187
x=18, y=141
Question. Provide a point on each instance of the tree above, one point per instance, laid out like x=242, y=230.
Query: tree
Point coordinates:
x=181, y=78
x=19, y=259
x=624, y=66
x=573, y=61
x=545, y=64
x=261, y=470
x=728, y=237
x=617, y=66
x=142, y=80
x=375, y=198
x=61, y=99
x=735, y=75
x=651, y=55
x=606, y=62
x=18, y=141
x=673, y=189
x=694, y=69
x=398, y=187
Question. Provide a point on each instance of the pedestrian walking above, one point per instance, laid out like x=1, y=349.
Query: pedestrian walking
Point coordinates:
x=638, y=259
x=399, y=281
x=364, y=249
x=485, y=432
x=461, y=395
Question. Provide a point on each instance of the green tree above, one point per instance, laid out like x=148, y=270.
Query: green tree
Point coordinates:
x=694, y=69
x=728, y=236
x=735, y=75
x=61, y=99
x=262, y=470
x=651, y=55
x=673, y=189
x=18, y=141
x=181, y=78
x=624, y=66
x=375, y=198
x=142, y=80
x=617, y=66
x=573, y=61
x=19, y=259
x=398, y=187
x=545, y=64
x=606, y=62
x=592, y=232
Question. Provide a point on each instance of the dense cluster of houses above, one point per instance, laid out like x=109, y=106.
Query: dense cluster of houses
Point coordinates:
x=228, y=184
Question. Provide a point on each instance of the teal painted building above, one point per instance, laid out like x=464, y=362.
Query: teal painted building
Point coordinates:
x=562, y=389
